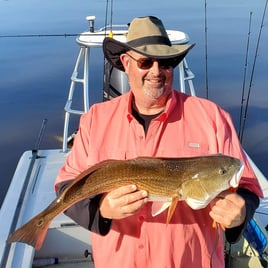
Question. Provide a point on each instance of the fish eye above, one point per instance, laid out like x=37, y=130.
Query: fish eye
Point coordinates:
x=222, y=171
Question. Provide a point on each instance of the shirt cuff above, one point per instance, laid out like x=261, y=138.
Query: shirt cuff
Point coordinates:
x=97, y=223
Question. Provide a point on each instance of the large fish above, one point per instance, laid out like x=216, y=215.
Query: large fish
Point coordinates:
x=196, y=180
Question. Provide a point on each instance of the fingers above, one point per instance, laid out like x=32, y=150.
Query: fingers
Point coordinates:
x=121, y=191
x=122, y=202
x=132, y=203
x=228, y=209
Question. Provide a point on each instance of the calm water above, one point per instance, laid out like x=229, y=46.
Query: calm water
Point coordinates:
x=35, y=72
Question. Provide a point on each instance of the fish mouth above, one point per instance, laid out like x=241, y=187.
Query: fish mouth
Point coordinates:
x=234, y=182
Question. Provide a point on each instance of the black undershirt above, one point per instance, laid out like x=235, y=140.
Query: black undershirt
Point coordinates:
x=144, y=119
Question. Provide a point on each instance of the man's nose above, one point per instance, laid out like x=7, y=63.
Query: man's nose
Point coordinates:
x=155, y=67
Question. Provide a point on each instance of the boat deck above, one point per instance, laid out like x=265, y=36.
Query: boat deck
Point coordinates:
x=66, y=242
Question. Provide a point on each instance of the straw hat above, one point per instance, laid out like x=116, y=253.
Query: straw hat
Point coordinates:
x=147, y=36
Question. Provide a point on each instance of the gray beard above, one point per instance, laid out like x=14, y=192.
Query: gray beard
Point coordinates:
x=154, y=94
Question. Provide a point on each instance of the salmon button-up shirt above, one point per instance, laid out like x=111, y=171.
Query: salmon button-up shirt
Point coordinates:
x=189, y=126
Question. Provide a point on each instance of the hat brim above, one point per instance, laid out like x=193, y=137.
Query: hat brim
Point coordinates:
x=112, y=50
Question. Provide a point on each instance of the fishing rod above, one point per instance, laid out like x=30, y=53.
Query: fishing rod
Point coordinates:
x=106, y=85
x=106, y=14
x=252, y=72
x=38, y=35
x=244, y=78
x=55, y=35
x=206, y=49
x=111, y=20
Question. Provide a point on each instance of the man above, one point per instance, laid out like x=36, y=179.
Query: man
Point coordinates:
x=155, y=120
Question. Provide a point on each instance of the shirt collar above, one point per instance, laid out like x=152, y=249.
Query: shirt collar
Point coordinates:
x=171, y=104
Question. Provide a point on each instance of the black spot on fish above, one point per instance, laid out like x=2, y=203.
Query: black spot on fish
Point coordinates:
x=40, y=222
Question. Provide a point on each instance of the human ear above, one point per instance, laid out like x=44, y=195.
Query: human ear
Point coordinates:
x=125, y=61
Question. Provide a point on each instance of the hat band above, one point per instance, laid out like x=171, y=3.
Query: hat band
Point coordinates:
x=149, y=40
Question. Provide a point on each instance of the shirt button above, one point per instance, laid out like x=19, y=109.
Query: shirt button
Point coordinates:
x=141, y=246
x=141, y=218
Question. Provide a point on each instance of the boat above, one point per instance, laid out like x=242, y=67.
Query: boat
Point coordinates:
x=32, y=186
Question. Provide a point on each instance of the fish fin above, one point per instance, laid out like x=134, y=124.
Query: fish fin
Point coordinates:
x=214, y=225
x=233, y=189
x=159, y=207
x=32, y=233
x=172, y=208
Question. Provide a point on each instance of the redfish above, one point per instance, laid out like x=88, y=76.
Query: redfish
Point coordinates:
x=196, y=180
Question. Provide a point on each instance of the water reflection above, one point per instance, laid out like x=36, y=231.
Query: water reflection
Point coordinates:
x=35, y=72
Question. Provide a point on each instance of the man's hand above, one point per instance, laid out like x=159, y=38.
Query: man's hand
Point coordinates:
x=228, y=209
x=122, y=202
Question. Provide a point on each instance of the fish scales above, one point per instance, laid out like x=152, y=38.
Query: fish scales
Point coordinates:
x=141, y=172
x=195, y=179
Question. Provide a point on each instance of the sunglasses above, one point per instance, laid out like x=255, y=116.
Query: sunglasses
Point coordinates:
x=147, y=63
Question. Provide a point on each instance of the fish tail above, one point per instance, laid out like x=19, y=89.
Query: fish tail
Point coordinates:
x=32, y=233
